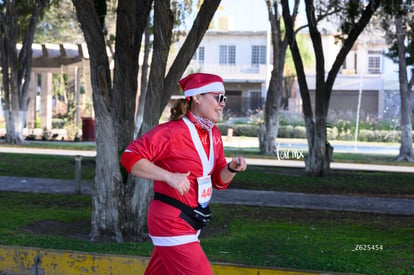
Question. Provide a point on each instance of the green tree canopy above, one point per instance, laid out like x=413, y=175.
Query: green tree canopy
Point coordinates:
x=59, y=25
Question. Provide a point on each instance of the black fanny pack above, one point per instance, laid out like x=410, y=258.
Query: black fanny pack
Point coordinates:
x=196, y=217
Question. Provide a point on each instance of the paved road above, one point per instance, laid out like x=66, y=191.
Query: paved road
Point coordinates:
x=235, y=196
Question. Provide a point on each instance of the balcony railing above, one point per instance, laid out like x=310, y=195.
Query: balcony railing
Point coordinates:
x=229, y=71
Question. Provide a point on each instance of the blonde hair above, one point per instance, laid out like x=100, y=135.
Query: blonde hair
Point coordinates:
x=180, y=108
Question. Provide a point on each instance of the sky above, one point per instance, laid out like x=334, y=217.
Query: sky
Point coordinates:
x=248, y=15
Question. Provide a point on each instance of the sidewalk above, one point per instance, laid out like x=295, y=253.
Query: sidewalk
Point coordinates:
x=237, y=196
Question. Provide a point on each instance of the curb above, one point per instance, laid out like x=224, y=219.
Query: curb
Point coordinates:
x=29, y=260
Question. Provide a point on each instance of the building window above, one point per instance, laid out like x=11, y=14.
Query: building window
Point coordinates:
x=356, y=63
x=227, y=54
x=255, y=94
x=258, y=55
x=374, y=62
x=256, y=101
x=199, y=55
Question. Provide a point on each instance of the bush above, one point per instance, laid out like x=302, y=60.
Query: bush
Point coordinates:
x=379, y=136
x=366, y=135
x=391, y=136
x=292, y=119
x=344, y=127
x=332, y=133
x=299, y=132
x=285, y=131
x=346, y=135
x=341, y=131
x=246, y=130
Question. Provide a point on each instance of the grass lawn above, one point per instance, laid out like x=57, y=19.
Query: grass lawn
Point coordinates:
x=261, y=236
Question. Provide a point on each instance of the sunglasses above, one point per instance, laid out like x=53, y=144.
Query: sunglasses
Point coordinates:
x=219, y=97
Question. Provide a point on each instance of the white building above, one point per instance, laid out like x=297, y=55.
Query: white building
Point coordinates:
x=368, y=78
x=238, y=48
x=240, y=58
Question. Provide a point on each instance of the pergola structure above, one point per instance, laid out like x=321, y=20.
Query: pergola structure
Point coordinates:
x=49, y=59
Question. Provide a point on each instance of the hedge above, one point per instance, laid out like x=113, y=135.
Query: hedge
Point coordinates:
x=252, y=130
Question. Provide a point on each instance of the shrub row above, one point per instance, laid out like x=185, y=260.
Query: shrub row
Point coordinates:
x=250, y=130
x=246, y=130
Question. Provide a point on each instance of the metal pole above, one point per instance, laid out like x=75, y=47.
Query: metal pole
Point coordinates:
x=77, y=96
x=361, y=87
x=78, y=162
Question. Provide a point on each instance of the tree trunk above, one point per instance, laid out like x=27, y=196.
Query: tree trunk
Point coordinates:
x=270, y=128
x=317, y=162
x=268, y=133
x=137, y=196
x=320, y=152
x=144, y=80
x=130, y=26
x=108, y=183
x=19, y=66
x=14, y=126
x=406, y=146
x=106, y=186
x=160, y=89
x=114, y=214
x=120, y=206
x=163, y=25
x=139, y=190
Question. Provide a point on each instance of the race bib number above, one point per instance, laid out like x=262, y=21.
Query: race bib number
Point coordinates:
x=205, y=190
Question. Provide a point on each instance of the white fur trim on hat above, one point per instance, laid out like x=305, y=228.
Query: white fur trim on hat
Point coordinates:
x=212, y=87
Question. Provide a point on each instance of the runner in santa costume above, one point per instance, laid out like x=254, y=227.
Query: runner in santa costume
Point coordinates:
x=185, y=158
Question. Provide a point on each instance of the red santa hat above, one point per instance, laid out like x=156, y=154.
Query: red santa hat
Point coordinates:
x=201, y=83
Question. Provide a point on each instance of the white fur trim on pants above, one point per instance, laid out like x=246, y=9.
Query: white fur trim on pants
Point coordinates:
x=175, y=240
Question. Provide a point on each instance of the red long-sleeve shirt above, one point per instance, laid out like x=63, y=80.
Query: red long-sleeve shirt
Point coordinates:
x=170, y=146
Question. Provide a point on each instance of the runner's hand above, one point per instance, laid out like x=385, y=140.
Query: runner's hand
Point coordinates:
x=238, y=164
x=180, y=182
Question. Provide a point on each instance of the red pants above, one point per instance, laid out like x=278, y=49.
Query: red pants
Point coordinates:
x=183, y=259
